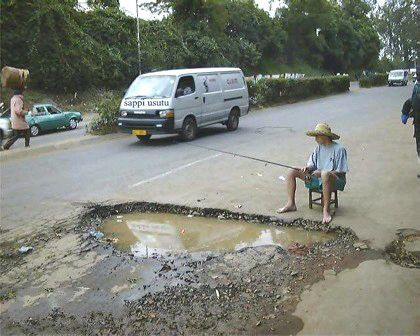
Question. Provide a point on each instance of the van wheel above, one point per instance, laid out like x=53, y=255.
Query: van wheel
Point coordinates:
x=233, y=121
x=189, y=129
x=144, y=137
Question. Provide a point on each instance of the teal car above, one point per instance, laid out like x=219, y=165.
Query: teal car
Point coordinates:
x=46, y=117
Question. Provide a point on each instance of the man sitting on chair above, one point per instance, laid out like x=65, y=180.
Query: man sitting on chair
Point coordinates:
x=326, y=169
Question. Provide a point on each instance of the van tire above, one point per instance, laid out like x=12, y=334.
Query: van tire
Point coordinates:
x=189, y=129
x=233, y=120
x=144, y=137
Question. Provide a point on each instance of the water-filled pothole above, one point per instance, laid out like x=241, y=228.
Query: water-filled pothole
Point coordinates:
x=148, y=233
x=405, y=250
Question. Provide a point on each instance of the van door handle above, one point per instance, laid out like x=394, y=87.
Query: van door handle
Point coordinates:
x=204, y=99
x=196, y=97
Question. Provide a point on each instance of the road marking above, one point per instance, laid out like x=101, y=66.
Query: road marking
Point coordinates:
x=169, y=172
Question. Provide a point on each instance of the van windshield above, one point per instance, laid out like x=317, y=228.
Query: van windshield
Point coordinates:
x=151, y=87
x=397, y=73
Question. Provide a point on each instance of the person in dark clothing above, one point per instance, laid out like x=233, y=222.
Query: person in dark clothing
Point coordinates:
x=411, y=108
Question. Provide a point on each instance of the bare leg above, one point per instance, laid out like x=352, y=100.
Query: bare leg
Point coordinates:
x=291, y=190
x=327, y=183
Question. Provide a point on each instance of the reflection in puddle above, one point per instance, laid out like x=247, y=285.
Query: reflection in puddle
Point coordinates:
x=147, y=233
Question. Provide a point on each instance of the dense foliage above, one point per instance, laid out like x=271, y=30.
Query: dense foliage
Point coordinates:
x=336, y=38
x=68, y=48
x=398, y=23
x=108, y=112
x=378, y=79
x=273, y=91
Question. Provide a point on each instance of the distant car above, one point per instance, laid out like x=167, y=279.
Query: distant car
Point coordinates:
x=398, y=77
x=45, y=117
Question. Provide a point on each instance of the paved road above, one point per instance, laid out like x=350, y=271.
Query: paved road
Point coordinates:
x=381, y=195
x=126, y=168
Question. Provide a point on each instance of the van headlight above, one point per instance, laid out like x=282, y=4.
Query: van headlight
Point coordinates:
x=166, y=114
x=123, y=113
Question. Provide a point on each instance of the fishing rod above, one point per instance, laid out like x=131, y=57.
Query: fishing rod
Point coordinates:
x=245, y=156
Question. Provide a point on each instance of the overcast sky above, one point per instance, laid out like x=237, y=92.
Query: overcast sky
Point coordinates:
x=129, y=6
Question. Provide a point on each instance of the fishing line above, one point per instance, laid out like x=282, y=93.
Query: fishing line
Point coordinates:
x=244, y=156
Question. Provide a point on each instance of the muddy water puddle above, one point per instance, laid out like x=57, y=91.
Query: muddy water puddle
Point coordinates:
x=147, y=233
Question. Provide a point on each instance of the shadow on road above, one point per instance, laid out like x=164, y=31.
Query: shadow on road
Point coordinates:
x=167, y=140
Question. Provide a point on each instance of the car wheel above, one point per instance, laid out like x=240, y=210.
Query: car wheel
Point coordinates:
x=73, y=124
x=35, y=130
x=144, y=137
x=233, y=121
x=189, y=129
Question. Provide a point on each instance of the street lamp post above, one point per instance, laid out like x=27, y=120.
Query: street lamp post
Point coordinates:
x=138, y=35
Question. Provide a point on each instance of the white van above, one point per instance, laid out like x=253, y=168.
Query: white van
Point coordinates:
x=181, y=101
x=398, y=77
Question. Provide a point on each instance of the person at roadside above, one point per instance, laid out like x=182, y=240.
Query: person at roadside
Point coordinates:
x=415, y=104
x=20, y=127
x=326, y=169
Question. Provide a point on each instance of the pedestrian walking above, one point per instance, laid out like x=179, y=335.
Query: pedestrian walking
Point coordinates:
x=20, y=127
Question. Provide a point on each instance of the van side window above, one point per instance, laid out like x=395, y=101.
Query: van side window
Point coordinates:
x=232, y=81
x=210, y=83
x=186, y=86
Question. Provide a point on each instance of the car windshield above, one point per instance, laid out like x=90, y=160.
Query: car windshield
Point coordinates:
x=151, y=87
x=53, y=110
x=397, y=73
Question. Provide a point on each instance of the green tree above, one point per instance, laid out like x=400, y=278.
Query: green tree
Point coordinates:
x=103, y=4
x=305, y=22
x=190, y=14
x=338, y=37
x=398, y=23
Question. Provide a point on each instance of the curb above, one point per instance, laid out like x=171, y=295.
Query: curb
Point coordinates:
x=67, y=144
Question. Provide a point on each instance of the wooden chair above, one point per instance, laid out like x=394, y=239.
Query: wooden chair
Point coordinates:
x=319, y=200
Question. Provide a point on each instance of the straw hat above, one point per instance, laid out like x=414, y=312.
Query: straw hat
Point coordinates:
x=323, y=129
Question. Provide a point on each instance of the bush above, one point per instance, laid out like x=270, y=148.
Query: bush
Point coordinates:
x=379, y=79
x=273, y=91
x=108, y=108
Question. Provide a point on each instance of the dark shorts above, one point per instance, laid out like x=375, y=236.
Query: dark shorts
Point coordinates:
x=316, y=183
